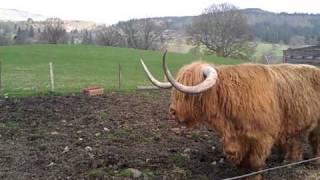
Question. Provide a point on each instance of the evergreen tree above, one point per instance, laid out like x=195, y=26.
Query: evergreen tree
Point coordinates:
x=31, y=32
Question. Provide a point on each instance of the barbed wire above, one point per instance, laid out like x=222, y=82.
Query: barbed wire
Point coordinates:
x=271, y=169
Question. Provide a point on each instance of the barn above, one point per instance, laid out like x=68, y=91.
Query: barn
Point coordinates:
x=306, y=55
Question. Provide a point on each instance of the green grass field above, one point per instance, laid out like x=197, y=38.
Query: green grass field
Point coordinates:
x=25, y=69
x=267, y=48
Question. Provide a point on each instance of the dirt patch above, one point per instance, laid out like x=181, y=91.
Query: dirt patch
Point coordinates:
x=79, y=137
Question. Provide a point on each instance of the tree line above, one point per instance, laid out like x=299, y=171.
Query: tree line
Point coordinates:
x=135, y=33
x=284, y=27
x=221, y=29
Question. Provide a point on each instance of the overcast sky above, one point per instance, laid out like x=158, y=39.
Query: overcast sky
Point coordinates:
x=112, y=11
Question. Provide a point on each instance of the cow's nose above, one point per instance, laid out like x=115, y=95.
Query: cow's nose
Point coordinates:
x=172, y=113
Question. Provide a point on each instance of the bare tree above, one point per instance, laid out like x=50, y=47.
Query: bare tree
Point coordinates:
x=151, y=33
x=87, y=37
x=143, y=34
x=131, y=32
x=223, y=29
x=109, y=36
x=54, y=31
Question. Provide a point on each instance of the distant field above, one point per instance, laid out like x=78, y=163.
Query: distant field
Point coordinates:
x=25, y=68
x=262, y=48
x=271, y=49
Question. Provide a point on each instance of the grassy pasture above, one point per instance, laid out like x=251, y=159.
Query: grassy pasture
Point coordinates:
x=25, y=69
x=267, y=48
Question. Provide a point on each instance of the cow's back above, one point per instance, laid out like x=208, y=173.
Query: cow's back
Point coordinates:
x=298, y=93
x=270, y=98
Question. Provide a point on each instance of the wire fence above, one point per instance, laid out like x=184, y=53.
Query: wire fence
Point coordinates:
x=19, y=79
x=57, y=78
x=272, y=169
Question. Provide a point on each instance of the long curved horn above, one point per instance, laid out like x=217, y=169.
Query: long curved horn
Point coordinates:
x=209, y=72
x=165, y=85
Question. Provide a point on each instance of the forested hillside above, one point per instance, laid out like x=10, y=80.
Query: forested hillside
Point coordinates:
x=270, y=27
x=283, y=27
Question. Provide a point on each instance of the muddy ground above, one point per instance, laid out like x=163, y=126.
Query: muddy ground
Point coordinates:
x=79, y=137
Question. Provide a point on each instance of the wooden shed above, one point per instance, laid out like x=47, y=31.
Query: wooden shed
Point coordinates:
x=306, y=55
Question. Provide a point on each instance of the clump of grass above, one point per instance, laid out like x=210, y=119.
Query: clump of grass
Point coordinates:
x=2, y=125
x=42, y=147
x=119, y=134
x=97, y=173
x=126, y=173
x=178, y=159
x=103, y=115
x=146, y=174
x=195, y=136
x=10, y=126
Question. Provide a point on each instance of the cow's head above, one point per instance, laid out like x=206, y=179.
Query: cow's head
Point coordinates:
x=189, y=86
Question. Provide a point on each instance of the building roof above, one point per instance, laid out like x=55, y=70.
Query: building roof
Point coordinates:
x=316, y=47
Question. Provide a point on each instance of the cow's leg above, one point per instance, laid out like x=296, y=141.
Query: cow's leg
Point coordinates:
x=314, y=139
x=255, y=159
x=234, y=149
x=293, y=149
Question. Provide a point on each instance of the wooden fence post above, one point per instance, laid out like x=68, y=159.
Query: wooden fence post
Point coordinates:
x=51, y=76
x=119, y=67
x=0, y=75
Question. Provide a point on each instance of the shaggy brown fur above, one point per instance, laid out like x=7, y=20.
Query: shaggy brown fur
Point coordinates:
x=254, y=107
